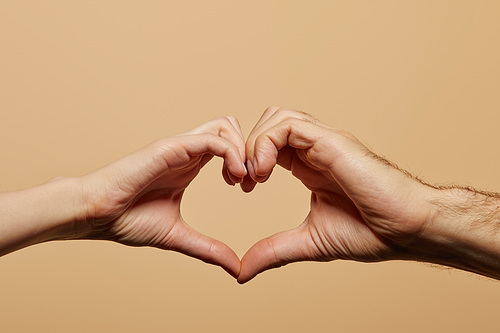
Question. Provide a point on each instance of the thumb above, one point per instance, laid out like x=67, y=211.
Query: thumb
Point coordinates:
x=276, y=251
x=188, y=241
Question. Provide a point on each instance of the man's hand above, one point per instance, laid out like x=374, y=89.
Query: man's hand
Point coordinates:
x=362, y=207
x=136, y=200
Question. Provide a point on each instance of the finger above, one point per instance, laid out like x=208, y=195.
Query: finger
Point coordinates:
x=227, y=128
x=179, y=152
x=268, y=113
x=229, y=177
x=287, y=133
x=275, y=251
x=205, y=159
x=271, y=118
x=236, y=124
x=188, y=241
x=233, y=170
x=248, y=184
x=225, y=175
x=241, y=147
x=295, y=133
x=251, y=181
x=139, y=169
x=253, y=133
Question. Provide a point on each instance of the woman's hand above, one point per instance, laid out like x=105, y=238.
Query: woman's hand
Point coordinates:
x=136, y=200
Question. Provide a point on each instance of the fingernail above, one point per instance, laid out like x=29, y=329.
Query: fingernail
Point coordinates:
x=255, y=165
x=251, y=170
x=244, y=167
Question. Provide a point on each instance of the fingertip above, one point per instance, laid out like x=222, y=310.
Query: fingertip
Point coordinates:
x=256, y=260
x=237, y=170
x=248, y=184
x=226, y=177
x=235, y=179
x=253, y=173
x=245, y=274
x=242, y=281
x=233, y=268
x=251, y=169
x=272, y=252
x=244, y=168
x=262, y=169
x=207, y=249
x=227, y=259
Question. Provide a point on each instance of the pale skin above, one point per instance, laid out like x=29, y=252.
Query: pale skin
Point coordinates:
x=362, y=207
x=133, y=201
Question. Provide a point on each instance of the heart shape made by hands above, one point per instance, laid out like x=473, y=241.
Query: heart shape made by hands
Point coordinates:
x=359, y=202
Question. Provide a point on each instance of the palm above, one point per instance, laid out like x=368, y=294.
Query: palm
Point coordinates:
x=151, y=216
x=335, y=224
x=345, y=235
x=136, y=200
x=360, y=204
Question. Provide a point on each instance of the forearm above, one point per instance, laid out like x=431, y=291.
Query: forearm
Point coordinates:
x=464, y=232
x=47, y=212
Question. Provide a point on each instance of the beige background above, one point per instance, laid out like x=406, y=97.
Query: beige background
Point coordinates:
x=85, y=82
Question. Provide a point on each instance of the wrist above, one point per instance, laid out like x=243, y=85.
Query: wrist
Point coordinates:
x=61, y=209
x=70, y=219
x=462, y=232
x=51, y=211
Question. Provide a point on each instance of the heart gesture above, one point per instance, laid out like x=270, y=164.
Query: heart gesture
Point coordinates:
x=363, y=207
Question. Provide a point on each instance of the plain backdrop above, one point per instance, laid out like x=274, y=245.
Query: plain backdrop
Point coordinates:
x=83, y=83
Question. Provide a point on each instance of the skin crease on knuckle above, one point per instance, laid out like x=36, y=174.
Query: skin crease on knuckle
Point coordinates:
x=285, y=113
x=267, y=144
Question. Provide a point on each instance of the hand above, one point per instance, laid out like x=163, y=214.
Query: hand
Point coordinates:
x=362, y=207
x=136, y=200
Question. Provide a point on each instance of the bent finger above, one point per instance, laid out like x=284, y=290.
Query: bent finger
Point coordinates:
x=295, y=133
x=197, y=145
x=270, y=118
x=227, y=128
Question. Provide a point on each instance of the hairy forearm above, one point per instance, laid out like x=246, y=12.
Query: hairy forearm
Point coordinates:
x=47, y=212
x=464, y=232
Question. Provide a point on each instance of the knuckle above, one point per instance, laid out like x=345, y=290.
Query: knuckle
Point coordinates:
x=272, y=109
x=222, y=121
x=291, y=122
x=281, y=112
x=223, y=124
x=161, y=148
x=348, y=134
x=160, y=144
x=210, y=137
x=260, y=139
x=232, y=119
x=284, y=114
x=55, y=179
